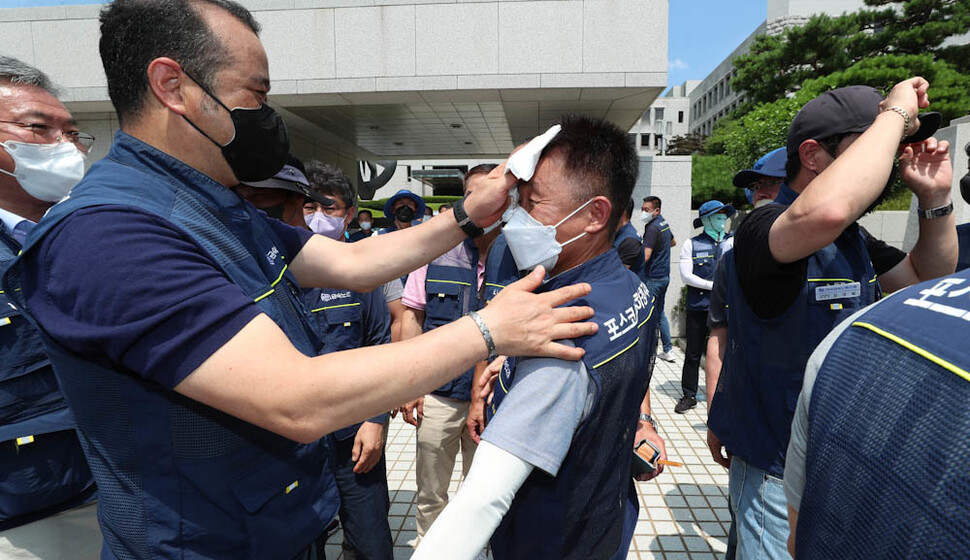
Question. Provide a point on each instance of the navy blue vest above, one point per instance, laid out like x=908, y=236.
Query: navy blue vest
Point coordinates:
x=500, y=268
x=765, y=361
x=706, y=253
x=887, y=456
x=659, y=265
x=963, y=238
x=629, y=232
x=579, y=513
x=338, y=319
x=178, y=479
x=452, y=291
x=42, y=467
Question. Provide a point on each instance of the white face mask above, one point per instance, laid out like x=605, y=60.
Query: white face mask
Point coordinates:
x=646, y=217
x=328, y=226
x=531, y=242
x=365, y=226
x=47, y=172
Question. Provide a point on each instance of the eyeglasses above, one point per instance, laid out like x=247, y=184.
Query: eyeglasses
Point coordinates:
x=44, y=133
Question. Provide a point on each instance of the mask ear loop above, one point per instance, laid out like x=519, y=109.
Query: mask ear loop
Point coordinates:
x=571, y=214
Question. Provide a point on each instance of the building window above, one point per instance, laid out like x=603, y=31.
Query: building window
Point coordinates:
x=645, y=141
x=657, y=140
x=680, y=116
x=658, y=114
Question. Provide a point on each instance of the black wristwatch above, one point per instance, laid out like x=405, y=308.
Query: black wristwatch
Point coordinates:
x=934, y=213
x=464, y=222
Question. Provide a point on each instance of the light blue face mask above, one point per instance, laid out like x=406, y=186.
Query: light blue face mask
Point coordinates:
x=714, y=225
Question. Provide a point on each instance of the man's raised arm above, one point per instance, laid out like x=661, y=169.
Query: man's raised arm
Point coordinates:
x=368, y=263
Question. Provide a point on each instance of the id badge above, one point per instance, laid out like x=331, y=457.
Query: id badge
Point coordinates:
x=838, y=291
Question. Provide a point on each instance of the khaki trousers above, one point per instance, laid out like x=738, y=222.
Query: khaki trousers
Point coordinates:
x=440, y=434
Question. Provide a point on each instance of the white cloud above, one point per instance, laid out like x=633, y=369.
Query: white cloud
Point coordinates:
x=677, y=64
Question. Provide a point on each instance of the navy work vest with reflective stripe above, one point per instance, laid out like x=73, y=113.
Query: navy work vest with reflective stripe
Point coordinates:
x=176, y=478
x=659, y=265
x=765, y=362
x=42, y=467
x=337, y=317
x=887, y=456
x=452, y=291
x=500, y=268
x=579, y=513
x=629, y=232
x=705, y=254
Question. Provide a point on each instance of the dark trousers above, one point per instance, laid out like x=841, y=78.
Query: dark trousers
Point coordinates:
x=364, y=504
x=696, y=345
x=658, y=290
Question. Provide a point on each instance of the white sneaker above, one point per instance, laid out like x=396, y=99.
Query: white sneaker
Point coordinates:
x=665, y=356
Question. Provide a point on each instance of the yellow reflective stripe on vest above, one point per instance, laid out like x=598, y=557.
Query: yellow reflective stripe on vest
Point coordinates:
x=334, y=307
x=848, y=280
x=449, y=282
x=486, y=283
x=617, y=355
x=275, y=282
x=912, y=347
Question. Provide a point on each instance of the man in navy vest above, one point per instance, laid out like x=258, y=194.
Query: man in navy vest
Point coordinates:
x=657, y=241
x=802, y=265
x=343, y=319
x=402, y=208
x=698, y=258
x=761, y=184
x=42, y=467
x=554, y=462
x=365, y=219
x=877, y=462
x=628, y=245
x=172, y=311
x=445, y=419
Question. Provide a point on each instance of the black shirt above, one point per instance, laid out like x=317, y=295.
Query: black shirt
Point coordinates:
x=771, y=287
x=629, y=249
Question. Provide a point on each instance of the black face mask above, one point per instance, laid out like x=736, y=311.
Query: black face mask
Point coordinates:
x=275, y=211
x=404, y=214
x=260, y=145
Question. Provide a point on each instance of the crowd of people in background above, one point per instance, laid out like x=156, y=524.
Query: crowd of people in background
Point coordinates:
x=194, y=335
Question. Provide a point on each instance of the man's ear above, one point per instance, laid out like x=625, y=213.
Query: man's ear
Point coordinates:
x=599, y=213
x=166, y=81
x=811, y=153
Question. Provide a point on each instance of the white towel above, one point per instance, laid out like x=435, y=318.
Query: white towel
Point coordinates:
x=522, y=164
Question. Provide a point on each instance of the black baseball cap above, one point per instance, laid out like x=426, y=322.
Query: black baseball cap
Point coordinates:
x=845, y=111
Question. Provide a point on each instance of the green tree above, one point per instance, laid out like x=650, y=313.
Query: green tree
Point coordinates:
x=711, y=179
x=685, y=145
x=780, y=65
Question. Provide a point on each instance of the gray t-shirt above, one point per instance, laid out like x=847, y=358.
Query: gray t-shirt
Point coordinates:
x=548, y=399
x=393, y=290
x=798, y=444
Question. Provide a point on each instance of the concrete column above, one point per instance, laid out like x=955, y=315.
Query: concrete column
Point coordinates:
x=668, y=177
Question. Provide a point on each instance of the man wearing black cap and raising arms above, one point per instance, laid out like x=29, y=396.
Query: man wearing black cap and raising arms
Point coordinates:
x=801, y=266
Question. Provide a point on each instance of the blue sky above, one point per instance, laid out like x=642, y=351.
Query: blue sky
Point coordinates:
x=702, y=32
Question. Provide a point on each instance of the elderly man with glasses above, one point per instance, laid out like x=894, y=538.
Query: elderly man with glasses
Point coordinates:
x=42, y=467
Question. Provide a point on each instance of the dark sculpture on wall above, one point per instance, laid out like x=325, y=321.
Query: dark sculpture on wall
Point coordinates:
x=372, y=175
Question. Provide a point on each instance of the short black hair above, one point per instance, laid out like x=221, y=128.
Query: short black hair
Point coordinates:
x=655, y=200
x=600, y=159
x=480, y=169
x=135, y=32
x=365, y=211
x=794, y=162
x=329, y=180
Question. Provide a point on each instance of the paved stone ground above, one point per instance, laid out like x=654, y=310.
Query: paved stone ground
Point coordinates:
x=683, y=513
